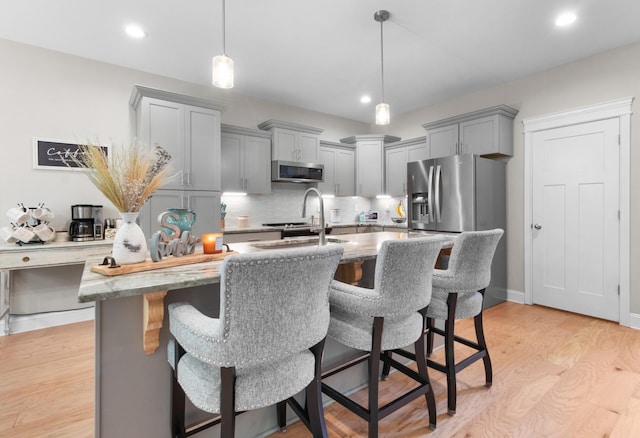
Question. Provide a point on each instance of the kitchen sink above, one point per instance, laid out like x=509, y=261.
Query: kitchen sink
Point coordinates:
x=294, y=243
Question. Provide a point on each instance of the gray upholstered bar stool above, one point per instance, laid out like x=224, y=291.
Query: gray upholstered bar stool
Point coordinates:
x=265, y=347
x=389, y=316
x=458, y=293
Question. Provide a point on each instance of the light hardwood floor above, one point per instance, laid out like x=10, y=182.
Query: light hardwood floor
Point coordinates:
x=556, y=374
x=46, y=382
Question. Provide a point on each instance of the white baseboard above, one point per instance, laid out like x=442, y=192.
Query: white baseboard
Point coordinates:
x=518, y=297
x=634, y=321
x=515, y=296
x=25, y=323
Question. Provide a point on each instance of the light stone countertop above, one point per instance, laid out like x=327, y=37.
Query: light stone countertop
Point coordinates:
x=96, y=287
x=232, y=229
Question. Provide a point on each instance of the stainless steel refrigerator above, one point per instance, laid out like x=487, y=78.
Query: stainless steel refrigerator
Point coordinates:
x=461, y=193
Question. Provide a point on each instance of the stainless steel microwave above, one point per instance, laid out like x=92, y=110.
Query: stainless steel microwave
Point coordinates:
x=293, y=171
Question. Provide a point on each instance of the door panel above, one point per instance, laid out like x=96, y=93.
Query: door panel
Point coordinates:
x=455, y=196
x=396, y=171
x=443, y=141
x=327, y=157
x=257, y=164
x=575, y=202
x=591, y=236
x=202, y=140
x=165, y=126
x=345, y=173
x=231, y=154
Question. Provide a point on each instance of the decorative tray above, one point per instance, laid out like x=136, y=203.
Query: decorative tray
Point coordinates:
x=111, y=268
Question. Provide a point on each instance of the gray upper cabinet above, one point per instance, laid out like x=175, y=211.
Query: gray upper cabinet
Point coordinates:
x=370, y=162
x=293, y=142
x=397, y=155
x=246, y=160
x=487, y=132
x=339, y=169
x=188, y=128
x=442, y=141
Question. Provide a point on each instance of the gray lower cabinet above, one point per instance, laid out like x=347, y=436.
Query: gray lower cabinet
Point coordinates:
x=251, y=237
x=487, y=132
x=246, y=160
x=205, y=204
x=339, y=169
x=337, y=231
x=188, y=128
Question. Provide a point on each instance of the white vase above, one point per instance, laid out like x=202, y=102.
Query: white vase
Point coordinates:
x=129, y=243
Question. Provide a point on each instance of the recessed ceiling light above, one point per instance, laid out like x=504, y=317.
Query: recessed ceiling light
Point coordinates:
x=135, y=31
x=365, y=99
x=565, y=19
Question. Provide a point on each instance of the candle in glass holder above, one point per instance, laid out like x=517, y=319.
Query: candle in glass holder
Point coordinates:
x=212, y=243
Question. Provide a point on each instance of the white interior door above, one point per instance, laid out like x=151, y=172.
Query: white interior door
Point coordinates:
x=575, y=212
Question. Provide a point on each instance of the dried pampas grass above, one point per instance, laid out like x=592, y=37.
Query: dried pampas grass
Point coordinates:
x=130, y=177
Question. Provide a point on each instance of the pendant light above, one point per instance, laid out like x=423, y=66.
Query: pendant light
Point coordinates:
x=383, y=116
x=222, y=75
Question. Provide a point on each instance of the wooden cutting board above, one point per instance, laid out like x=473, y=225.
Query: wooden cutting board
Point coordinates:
x=166, y=262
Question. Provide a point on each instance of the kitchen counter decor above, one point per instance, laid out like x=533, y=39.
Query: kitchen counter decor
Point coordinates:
x=128, y=180
x=28, y=225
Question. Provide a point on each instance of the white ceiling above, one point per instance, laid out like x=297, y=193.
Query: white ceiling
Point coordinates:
x=324, y=54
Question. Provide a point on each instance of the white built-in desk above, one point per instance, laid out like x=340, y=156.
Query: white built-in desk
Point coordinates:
x=37, y=255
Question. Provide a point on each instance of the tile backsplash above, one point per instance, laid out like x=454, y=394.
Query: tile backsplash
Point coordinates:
x=285, y=202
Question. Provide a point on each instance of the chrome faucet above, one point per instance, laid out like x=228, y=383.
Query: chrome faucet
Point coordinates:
x=320, y=228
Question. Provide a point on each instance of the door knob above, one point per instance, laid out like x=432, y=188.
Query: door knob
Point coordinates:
x=537, y=226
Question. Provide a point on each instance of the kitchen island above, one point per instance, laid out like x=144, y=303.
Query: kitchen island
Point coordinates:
x=132, y=375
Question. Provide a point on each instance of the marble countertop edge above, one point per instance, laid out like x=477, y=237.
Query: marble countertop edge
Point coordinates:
x=98, y=287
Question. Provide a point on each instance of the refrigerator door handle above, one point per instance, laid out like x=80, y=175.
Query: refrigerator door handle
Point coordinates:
x=437, y=190
x=430, y=195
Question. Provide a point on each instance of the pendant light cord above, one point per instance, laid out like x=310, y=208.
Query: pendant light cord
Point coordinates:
x=224, y=18
x=381, y=57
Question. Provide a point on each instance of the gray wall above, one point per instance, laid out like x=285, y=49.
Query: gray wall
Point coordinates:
x=602, y=78
x=52, y=95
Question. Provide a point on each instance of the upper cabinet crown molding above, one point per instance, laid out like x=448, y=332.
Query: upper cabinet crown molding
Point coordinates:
x=335, y=144
x=240, y=130
x=370, y=137
x=410, y=142
x=140, y=91
x=503, y=110
x=272, y=123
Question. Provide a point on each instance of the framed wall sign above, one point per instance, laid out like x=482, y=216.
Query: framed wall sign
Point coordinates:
x=57, y=154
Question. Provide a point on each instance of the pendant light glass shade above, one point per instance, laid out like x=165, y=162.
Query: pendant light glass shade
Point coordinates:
x=222, y=76
x=222, y=68
x=383, y=116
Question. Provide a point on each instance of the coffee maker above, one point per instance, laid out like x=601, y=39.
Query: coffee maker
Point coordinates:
x=82, y=221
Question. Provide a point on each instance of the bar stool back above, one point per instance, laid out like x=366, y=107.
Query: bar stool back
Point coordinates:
x=458, y=293
x=384, y=318
x=265, y=347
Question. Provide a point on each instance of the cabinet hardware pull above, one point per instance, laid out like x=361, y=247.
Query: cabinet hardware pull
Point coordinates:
x=25, y=259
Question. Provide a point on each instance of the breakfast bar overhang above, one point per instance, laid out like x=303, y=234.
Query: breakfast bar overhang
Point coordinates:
x=132, y=375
